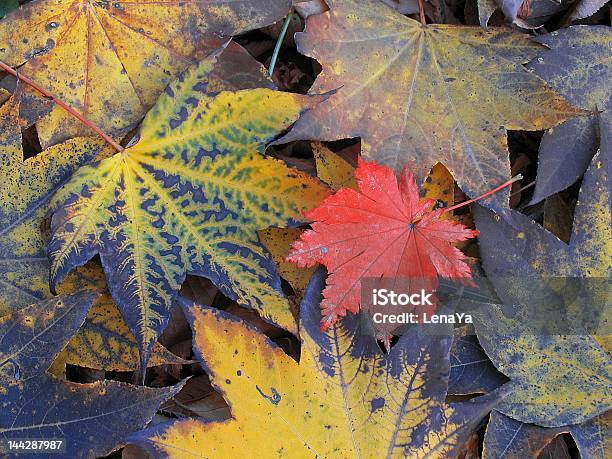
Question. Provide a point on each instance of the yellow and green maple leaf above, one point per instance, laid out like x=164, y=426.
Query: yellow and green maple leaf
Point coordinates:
x=188, y=197
x=30, y=189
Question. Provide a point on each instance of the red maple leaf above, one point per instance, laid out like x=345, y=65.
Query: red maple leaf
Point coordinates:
x=383, y=231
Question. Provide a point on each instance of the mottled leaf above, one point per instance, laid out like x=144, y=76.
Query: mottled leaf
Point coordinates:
x=594, y=438
x=471, y=371
x=586, y=8
x=439, y=185
x=31, y=337
x=344, y=399
x=188, y=197
x=578, y=66
x=332, y=170
x=28, y=191
x=559, y=379
x=418, y=95
x=506, y=438
x=36, y=405
x=526, y=249
x=104, y=342
x=111, y=60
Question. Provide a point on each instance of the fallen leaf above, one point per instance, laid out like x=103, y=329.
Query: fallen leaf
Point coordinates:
x=378, y=232
x=486, y=8
x=525, y=248
x=556, y=449
x=418, y=95
x=404, y=6
x=527, y=14
x=593, y=438
x=577, y=66
x=309, y=7
x=104, y=342
x=439, y=185
x=332, y=169
x=586, y=8
x=28, y=192
x=469, y=450
x=188, y=198
x=337, y=173
x=344, y=399
x=37, y=405
x=111, y=60
x=198, y=398
x=558, y=217
x=510, y=439
x=471, y=371
x=536, y=13
x=560, y=379
x=235, y=69
x=278, y=241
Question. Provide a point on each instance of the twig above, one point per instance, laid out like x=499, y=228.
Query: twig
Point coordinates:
x=62, y=104
x=279, y=43
x=529, y=185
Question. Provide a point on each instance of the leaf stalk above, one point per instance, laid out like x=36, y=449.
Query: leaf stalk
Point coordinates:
x=62, y=104
x=422, y=12
x=484, y=195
